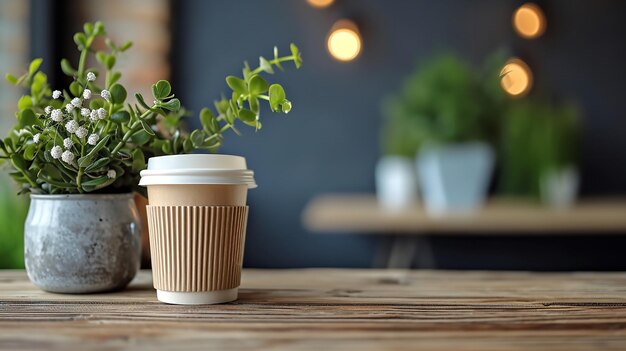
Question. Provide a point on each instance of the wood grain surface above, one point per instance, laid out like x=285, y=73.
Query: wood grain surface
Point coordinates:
x=360, y=213
x=331, y=309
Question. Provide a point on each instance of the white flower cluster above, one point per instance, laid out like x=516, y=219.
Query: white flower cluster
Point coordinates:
x=56, y=152
x=73, y=126
x=67, y=156
x=56, y=115
x=93, y=139
x=106, y=95
x=81, y=132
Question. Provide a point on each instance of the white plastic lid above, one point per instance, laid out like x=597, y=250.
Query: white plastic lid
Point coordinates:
x=197, y=169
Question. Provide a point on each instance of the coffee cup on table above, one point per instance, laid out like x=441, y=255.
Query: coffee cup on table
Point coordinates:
x=197, y=217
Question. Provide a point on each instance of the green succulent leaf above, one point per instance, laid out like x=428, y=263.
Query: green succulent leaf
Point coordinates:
x=114, y=78
x=141, y=101
x=237, y=84
x=206, y=118
x=277, y=96
x=139, y=160
x=97, y=183
x=76, y=88
x=87, y=159
x=265, y=66
x=120, y=117
x=59, y=184
x=101, y=57
x=118, y=94
x=109, y=62
x=187, y=146
x=146, y=127
x=172, y=105
x=141, y=137
x=10, y=78
x=98, y=164
x=96, y=104
x=81, y=40
x=27, y=118
x=29, y=152
x=127, y=45
x=161, y=89
x=34, y=66
x=25, y=102
x=197, y=138
x=98, y=28
x=258, y=85
x=247, y=116
x=88, y=28
x=67, y=68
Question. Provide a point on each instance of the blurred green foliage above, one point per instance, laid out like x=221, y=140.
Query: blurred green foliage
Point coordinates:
x=445, y=100
x=538, y=137
x=13, y=209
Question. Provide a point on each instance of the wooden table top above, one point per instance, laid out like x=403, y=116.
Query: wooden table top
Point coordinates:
x=331, y=309
x=360, y=213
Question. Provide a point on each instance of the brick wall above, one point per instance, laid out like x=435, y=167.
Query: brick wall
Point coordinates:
x=146, y=23
x=13, y=55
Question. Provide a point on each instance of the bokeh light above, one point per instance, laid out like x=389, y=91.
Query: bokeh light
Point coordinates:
x=529, y=21
x=516, y=77
x=344, y=41
x=320, y=3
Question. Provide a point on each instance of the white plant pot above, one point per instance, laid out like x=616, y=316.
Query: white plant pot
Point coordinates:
x=559, y=188
x=454, y=178
x=396, y=186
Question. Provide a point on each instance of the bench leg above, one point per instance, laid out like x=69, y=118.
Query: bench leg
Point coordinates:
x=404, y=250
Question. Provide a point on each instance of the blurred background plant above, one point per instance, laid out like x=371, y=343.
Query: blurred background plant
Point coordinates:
x=539, y=138
x=445, y=100
x=13, y=211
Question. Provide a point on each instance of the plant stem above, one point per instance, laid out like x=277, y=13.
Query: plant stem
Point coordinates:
x=83, y=57
x=81, y=170
x=273, y=62
x=135, y=127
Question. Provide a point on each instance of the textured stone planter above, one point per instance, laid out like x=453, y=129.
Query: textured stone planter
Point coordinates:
x=82, y=243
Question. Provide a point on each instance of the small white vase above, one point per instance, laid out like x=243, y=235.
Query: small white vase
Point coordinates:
x=454, y=178
x=559, y=187
x=396, y=186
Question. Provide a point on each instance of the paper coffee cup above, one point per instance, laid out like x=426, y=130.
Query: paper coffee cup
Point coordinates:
x=197, y=218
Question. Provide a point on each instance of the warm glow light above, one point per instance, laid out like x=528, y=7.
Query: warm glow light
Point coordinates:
x=529, y=21
x=516, y=78
x=344, y=41
x=320, y=3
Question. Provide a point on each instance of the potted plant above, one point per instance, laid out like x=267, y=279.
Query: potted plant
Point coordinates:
x=540, y=152
x=445, y=115
x=396, y=182
x=79, y=151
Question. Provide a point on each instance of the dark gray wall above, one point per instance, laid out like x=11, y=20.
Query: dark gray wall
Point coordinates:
x=329, y=142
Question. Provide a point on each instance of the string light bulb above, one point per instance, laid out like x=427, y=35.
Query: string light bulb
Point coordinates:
x=516, y=78
x=320, y=4
x=529, y=21
x=344, y=41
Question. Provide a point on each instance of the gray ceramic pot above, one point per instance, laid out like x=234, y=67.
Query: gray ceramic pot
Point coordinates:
x=82, y=243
